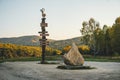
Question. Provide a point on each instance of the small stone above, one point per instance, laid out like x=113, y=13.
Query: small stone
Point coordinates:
x=73, y=57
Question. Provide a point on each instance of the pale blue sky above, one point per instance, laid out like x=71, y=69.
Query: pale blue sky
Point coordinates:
x=64, y=17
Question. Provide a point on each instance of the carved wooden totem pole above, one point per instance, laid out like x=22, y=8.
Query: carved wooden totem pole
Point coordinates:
x=43, y=34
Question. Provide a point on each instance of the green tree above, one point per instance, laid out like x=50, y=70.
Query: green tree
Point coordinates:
x=98, y=42
x=107, y=39
x=88, y=33
x=115, y=42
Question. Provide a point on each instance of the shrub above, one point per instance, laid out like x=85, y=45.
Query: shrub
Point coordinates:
x=84, y=49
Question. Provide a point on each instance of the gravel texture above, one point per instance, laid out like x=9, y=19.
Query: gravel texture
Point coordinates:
x=35, y=71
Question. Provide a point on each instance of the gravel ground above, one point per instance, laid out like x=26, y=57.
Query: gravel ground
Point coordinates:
x=35, y=71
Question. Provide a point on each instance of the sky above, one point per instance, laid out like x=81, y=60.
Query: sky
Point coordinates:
x=64, y=17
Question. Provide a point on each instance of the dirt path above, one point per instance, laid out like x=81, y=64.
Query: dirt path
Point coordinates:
x=34, y=71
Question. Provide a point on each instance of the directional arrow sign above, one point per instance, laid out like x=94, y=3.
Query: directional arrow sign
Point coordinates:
x=42, y=39
x=44, y=34
x=44, y=43
x=43, y=24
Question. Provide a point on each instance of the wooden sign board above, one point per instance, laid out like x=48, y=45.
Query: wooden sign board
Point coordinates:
x=44, y=43
x=43, y=24
x=44, y=34
x=42, y=39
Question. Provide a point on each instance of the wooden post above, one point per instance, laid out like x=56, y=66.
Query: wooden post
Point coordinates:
x=43, y=41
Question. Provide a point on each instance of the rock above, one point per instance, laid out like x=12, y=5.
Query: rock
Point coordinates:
x=73, y=57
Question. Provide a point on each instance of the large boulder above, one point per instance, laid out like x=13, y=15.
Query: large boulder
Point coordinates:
x=73, y=57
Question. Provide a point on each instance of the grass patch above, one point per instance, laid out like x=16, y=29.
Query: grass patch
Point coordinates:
x=47, y=58
x=58, y=58
x=103, y=59
x=20, y=59
x=1, y=61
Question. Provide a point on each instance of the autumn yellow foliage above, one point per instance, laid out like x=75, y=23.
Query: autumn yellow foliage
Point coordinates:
x=12, y=50
x=66, y=49
x=84, y=49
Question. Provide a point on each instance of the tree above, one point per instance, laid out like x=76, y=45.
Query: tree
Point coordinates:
x=88, y=33
x=107, y=40
x=116, y=36
x=117, y=21
x=98, y=42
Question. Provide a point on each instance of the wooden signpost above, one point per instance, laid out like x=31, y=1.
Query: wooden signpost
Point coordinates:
x=43, y=34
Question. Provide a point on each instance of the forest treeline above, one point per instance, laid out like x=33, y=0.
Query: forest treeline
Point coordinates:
x=102, y=41
x=12, y=50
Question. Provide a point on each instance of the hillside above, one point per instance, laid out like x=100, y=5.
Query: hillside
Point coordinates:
x=34, y=41
x=23, y=40
x=62, y=43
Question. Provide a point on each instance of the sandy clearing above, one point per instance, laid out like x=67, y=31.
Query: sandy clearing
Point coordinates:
x=35, y=71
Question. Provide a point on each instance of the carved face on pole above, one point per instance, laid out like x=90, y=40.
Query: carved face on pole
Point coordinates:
x=43, y=12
